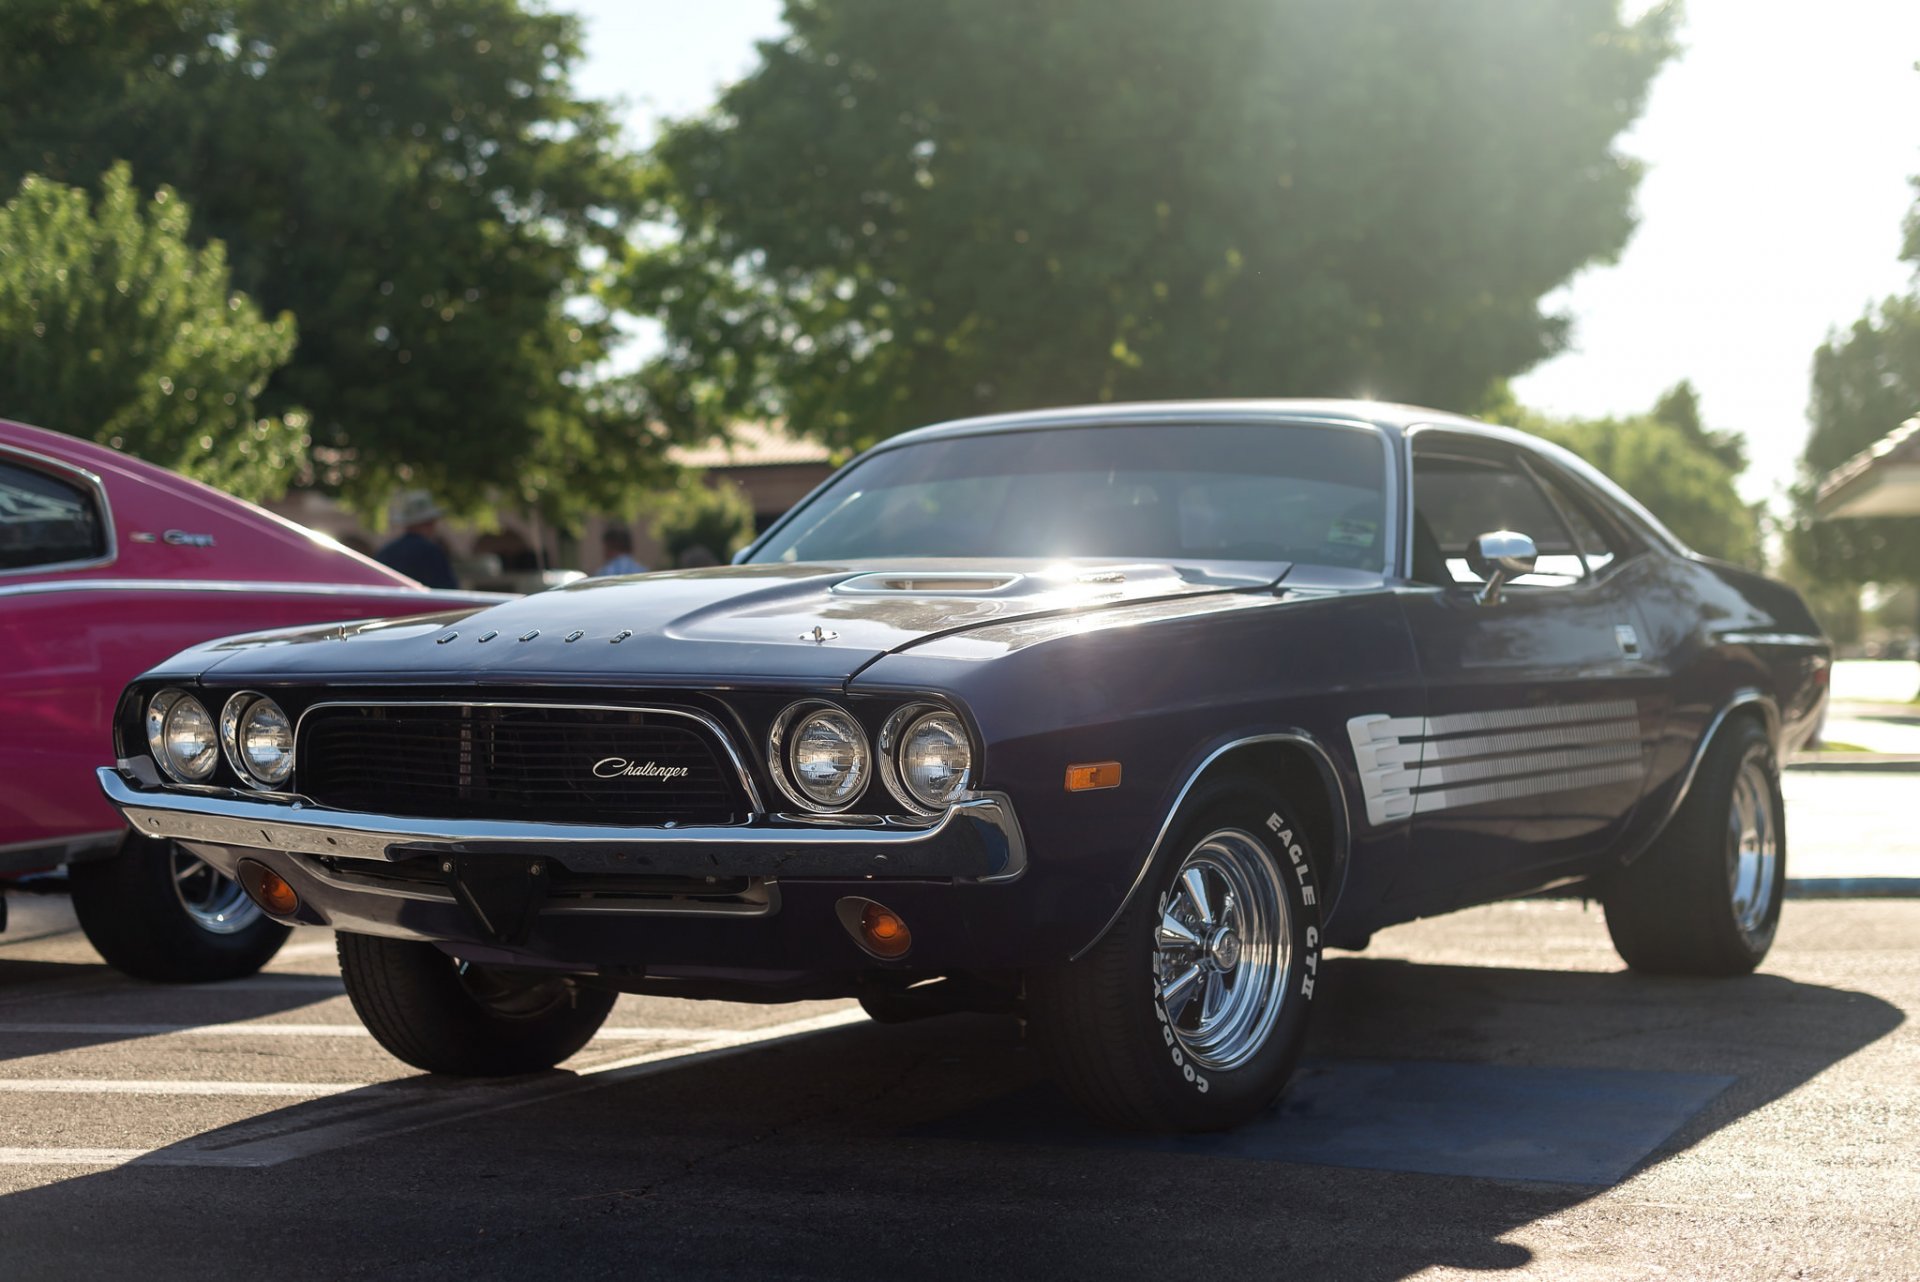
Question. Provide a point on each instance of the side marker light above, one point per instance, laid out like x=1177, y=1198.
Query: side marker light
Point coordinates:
x=1093, y=775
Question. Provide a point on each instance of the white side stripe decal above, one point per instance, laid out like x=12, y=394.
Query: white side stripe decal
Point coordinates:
x=1416, y=765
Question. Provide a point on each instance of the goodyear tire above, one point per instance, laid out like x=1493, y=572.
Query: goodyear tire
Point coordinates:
x=1190, y=1013
x=1705, y=898
x=157, y=912
x=438, y=1014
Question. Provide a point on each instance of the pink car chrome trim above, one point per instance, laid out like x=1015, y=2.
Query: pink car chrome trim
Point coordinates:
x=259, y=585
x=91, y=482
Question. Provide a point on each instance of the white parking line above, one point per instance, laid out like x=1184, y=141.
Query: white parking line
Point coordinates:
x=126, y=1086
x=69, y=1156
x=392, y=1108
x=246, y=1029
x=318, y=948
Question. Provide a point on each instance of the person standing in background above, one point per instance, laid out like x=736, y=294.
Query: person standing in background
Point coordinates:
x=416, y=553
x=617, y=544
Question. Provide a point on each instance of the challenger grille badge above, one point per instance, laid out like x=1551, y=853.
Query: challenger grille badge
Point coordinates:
x=621, y=768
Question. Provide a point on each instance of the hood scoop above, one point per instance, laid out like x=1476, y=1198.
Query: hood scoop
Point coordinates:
x=934, y=584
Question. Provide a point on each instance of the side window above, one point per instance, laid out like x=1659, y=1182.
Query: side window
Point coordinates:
x=1602, y=543
x=46, y=521
x=1456, y=499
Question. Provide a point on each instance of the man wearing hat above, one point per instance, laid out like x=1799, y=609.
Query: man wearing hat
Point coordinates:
x=416, y=553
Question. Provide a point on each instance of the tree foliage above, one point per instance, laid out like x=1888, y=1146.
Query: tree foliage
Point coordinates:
x=1866, y=382
x=415, y=179
x=716, y=516
x=1683, y=472
x=912, y=211
x=113, y=326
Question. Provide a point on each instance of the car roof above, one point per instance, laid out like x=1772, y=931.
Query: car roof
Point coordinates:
x=1385, y=415
x=1390, y=418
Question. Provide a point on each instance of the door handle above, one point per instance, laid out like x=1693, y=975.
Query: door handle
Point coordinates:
x=1629, y=640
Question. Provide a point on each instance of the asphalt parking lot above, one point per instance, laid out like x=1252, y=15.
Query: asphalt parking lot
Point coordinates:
x=1767, y=1126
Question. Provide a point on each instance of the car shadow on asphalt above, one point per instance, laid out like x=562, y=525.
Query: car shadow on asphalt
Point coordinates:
x=813, y=1156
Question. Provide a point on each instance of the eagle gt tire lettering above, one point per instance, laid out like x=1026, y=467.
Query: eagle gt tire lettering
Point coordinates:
x=1190, y=1013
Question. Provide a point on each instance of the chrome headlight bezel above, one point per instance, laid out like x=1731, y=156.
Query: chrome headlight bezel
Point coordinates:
x=159, y=719
x=788, y=726
x=894, y=737
x=235, y=720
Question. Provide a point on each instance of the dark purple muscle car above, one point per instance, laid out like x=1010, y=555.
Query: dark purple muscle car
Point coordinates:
x=1115, y=716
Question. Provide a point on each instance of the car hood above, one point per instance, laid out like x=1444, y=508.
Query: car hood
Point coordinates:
x=726, y=626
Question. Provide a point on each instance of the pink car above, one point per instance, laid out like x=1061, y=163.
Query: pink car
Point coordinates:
x=107, y=566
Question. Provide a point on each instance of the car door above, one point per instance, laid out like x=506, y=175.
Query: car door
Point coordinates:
x=54, y=523
x=1541, y=706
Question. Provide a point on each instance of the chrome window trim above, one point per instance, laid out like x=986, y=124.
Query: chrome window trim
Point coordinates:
x=279, y=586
x=1520, y=465
x=1193, y=415
x=87, y=480
x=1599, y=486
x=1342, y=818
x=758, y=807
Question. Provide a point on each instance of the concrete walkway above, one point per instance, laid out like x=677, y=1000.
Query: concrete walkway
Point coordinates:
x=1852, y=833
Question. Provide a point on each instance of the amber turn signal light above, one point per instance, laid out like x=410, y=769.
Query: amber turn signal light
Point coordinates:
x=1093, y=775
x=878, y=929
x=268, y=888
x=883, y=933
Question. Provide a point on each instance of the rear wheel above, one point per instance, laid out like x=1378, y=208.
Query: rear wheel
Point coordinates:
x=443, y=1015
x=1190, y=1013
x=157, y=911
x=1705, y=899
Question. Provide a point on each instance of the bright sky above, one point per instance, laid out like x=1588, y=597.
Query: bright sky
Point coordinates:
x=1780, y=147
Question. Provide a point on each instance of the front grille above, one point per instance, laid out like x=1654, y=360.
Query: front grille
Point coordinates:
x=549, y=764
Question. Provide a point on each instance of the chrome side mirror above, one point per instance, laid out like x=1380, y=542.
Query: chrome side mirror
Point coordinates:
x=1498, y=557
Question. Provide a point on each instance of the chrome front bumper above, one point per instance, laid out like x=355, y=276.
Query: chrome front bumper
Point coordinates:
x=975, y=840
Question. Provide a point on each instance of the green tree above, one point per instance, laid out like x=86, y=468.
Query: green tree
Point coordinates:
x=1683, y=472
x=911, y=211
x=1866, y=382
x=113, y=326
x=716, y=516
x=417, y=180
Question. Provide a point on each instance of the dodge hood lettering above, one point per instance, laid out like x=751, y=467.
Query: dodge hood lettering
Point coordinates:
x=780, y=623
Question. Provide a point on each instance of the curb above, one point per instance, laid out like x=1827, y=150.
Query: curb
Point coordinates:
x=1853, y=888
x=1850, y=761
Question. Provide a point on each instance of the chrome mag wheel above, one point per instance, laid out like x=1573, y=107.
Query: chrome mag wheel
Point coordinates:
x=1222, y=948
x=214, y=901
x=1753, y=846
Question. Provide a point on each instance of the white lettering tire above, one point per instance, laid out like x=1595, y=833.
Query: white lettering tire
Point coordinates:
x=1190, y=1013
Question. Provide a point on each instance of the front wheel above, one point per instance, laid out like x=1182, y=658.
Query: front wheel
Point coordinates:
x=1190, y=1013
x=1705, y=898
x=157, y=911
x=444, y=1015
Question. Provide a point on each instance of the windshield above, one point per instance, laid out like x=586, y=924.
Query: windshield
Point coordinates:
x=1254, y=492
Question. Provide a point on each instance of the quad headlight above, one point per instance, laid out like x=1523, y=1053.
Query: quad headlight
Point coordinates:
x=925, y=756
x=180, y=734
x=258, y=739
x=819, y=756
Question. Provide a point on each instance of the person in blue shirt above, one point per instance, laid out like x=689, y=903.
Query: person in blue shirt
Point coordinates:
x=617, y=544
x=416, y=553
